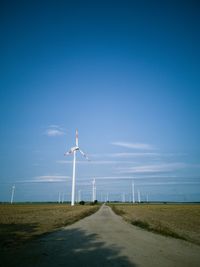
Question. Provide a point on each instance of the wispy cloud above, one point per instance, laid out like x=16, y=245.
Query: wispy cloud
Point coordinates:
x=125, y=155
x=171, y=183
x=139, y=154
x=97, y=162
x=44, y=179
x=165, y=167
x=50, y=178
x=121, y=178
x=54, y=126
x=136, y=154
x=139, y=146
x=54, y=130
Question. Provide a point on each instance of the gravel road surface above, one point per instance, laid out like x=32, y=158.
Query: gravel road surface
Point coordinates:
x=104, y=239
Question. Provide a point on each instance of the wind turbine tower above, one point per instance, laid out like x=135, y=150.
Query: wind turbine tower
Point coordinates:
x=133, y=192
x=73, y=151
x=139, y=196
x=93, y=190
x=12, y=194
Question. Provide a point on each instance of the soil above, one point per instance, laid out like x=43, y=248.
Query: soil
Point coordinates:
x=103, y=239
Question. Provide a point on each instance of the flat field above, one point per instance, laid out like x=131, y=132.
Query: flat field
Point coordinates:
x=23, y=222
x=180, y=221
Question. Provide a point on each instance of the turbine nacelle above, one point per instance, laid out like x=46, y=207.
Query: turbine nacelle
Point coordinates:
x=75, y=148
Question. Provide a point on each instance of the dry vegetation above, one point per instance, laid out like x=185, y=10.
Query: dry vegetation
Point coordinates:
x=24, y=222
x=180, y=221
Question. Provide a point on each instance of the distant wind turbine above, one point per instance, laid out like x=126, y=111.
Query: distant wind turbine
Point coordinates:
x=73, y=151
x=133, y=192
x=12, y=194
x=93, y=190
x=138, y=196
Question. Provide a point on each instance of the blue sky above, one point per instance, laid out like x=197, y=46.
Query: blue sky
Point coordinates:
x=125, y=73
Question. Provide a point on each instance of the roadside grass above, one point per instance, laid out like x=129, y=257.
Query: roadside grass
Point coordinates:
x=178, y=221
x=159, y=229
x=20, y=223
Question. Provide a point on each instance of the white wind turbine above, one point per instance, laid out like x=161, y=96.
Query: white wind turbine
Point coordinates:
x=73, y=151
x=59, y=197
x=12, y=194
x=139, y=200
x=94, y=190
x=133, y=192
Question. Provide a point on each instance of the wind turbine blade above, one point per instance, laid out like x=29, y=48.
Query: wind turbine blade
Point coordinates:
x=76, y=137
x=68, y=153
x=84, y=155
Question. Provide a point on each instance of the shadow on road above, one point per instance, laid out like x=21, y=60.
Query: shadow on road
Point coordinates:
x=69, y=247
x=12, y=234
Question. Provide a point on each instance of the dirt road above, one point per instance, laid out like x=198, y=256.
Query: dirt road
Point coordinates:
x=104, y=239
